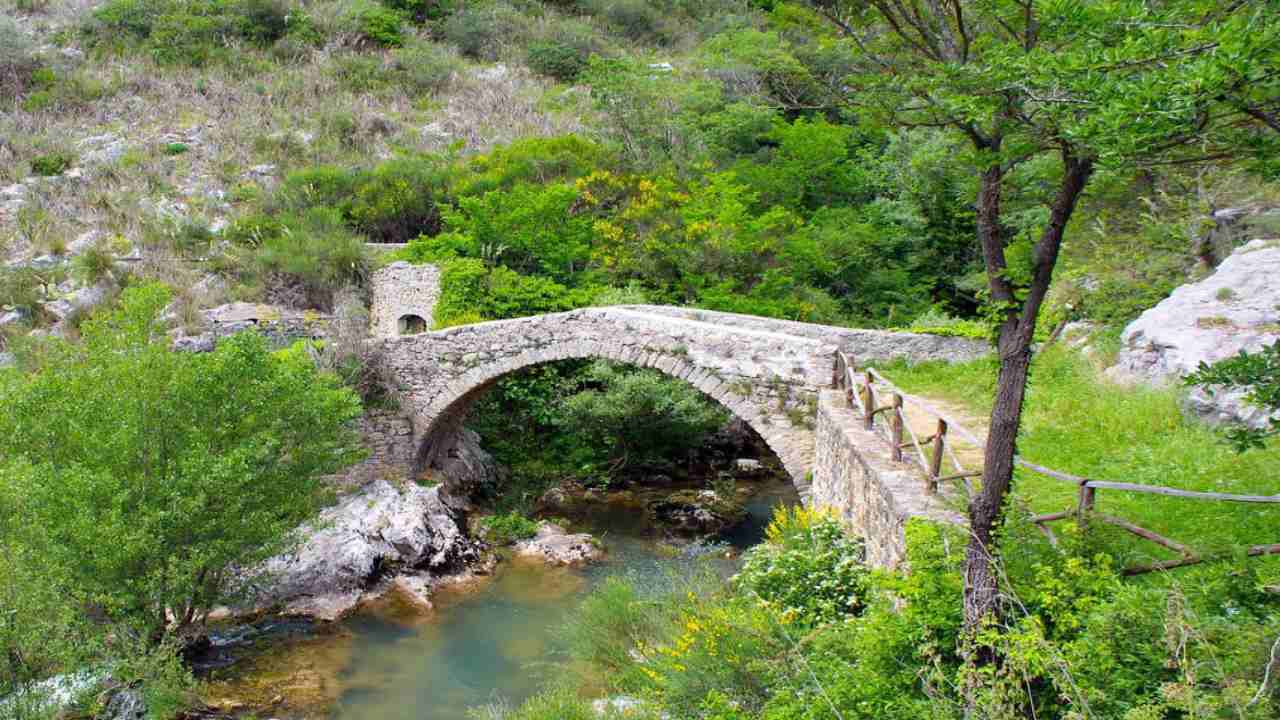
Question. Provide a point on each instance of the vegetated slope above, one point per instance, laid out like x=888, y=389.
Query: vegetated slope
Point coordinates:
x=243, y=149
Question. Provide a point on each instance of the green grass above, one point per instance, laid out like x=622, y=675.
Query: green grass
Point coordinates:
x=1077, y=422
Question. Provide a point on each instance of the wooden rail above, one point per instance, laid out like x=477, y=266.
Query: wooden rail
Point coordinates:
x=863, y=388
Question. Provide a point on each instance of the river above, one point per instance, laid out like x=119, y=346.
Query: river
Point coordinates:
x=495, y=643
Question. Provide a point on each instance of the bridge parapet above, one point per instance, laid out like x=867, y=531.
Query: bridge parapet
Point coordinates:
x=864, y=345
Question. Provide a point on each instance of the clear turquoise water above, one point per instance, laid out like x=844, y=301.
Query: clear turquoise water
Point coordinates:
x=502, y=642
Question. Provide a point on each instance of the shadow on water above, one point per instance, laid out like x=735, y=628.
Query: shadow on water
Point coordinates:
x=502, y=641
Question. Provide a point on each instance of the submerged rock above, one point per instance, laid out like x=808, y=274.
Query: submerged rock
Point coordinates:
x=556, y=546
x=697, y=512
x=1236, y=308
x=376, y=533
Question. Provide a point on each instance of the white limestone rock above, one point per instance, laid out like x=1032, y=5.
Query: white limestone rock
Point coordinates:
x=377, y=532
x=1236, y=308
x=554, y=545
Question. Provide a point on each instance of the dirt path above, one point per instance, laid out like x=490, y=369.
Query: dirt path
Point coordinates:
x=962, y=454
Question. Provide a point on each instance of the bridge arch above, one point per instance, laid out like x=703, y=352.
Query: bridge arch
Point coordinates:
x=768, y=380
x=791, y=441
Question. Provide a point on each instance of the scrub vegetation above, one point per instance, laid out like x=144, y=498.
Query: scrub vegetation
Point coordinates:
x=989, y=169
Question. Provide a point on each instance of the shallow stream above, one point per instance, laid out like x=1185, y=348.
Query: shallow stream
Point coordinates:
x=494, y=643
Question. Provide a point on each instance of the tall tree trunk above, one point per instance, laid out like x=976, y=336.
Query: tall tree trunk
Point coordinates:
x=981, y=586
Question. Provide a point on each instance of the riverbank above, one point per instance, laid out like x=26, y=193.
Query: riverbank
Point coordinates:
x=498, y=638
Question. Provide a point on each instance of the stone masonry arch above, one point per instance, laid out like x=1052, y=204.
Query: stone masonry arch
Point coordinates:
x=770, y=380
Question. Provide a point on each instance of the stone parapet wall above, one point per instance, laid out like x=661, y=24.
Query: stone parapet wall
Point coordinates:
x=401, y=289
x=854, y=475
x=861, y=345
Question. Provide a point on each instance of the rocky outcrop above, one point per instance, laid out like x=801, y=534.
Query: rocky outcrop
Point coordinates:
x=1236, y=308
x=556, y=546
x=697, y=512
x=281, y=326
x=357, y=548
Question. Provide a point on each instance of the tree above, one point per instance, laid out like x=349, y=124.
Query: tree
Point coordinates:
x=638, y=416
x=1259, y=375
x=1046, y=94
x=138, y=477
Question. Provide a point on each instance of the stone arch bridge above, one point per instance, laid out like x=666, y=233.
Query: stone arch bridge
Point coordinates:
x=769, y=373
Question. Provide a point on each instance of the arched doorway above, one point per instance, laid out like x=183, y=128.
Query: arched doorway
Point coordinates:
x=411, y=325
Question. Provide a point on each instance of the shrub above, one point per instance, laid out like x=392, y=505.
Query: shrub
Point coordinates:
x=424, y=67
x=134, y=555
x=481, y=31
x=808, y=568
x=54, y=163
x=397, y=200
x=189, y=33
x=377, y=24
x=531, y=228
x=468, y=289
x=634, y=417
x=507, y=529
x=315, y=251
x=95, y=264
x=359, y=73
x=636, y=19
x=424, y=10
x=53, y=91
x=21, y=289
x=263, y=21
x=556, y=60
x=18, y=62
x=535, y=160
x=393, y=202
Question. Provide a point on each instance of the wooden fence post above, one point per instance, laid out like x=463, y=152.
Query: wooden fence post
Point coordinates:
x=935, y=462
x=869, y=412
x=1087, y=498
x=896, y=427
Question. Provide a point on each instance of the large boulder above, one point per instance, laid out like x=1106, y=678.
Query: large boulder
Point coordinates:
x=369, y=537
x=1236, y=308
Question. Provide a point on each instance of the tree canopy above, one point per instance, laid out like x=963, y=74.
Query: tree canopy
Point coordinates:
x=137, y=477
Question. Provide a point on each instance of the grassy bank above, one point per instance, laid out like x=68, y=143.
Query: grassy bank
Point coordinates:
x=1078, y=422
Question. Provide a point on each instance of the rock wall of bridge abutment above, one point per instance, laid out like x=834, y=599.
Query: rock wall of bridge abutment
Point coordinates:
x=855, y=476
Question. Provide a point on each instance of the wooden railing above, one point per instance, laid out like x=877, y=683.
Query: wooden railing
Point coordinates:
x=862, y=393
x=865, y=387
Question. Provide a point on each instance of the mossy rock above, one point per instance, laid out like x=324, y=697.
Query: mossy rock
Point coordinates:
x=697, y=512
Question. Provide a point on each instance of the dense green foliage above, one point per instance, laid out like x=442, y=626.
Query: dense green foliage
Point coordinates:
x=1259, y=375
x=193, y=33
x=508, y=528
x=1083, y=644
x=134, y=478
x=807, y=568
x=595, y=422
